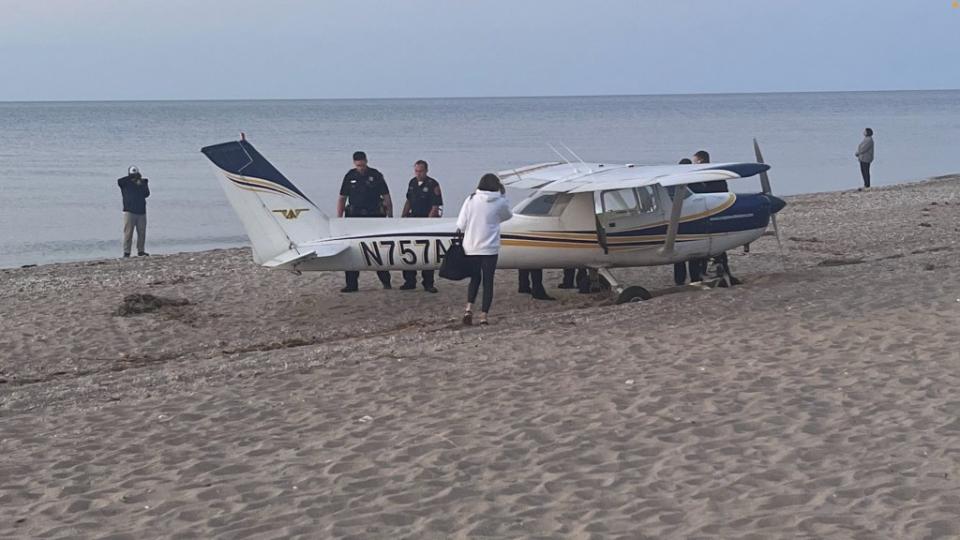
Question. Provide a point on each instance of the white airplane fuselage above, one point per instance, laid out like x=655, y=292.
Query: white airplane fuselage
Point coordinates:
x=568, y=240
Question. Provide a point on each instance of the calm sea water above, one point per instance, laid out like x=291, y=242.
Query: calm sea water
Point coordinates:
x=59, y=161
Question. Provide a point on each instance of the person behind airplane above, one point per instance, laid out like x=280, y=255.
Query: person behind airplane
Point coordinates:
x=865, y=156
x=680, y=268
x=531, y=282
x=716, y=186
x=576, y=278
x=424, y=199
x=364, y=193
x=134, y=189
x=479, y=221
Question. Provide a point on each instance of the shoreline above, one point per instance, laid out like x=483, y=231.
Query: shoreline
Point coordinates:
x=788, y=198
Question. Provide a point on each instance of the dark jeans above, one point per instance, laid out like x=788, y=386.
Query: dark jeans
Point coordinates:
x=410, y=277
x=865, y=171
x=483, y=268
x=354, y=277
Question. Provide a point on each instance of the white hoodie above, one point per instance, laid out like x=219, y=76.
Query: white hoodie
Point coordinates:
x=480, y=219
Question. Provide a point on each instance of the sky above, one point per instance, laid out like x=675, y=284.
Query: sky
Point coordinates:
x=254, y=49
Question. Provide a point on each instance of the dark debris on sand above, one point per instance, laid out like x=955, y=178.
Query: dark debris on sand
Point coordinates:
x=135, y=304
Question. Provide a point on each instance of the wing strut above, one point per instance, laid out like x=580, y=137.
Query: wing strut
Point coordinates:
x=679, y=192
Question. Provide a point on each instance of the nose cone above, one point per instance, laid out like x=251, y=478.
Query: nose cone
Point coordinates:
x=776, y=204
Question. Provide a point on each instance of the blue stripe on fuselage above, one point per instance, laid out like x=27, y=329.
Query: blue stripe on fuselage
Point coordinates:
x=749, y=211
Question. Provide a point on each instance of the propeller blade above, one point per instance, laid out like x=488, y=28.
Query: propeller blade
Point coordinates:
x=764, y=178
x=765, y=186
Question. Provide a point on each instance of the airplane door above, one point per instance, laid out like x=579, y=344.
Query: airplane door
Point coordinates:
x=621, y=212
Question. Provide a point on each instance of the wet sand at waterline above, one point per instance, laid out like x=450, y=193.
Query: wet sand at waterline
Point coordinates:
x=817, y=400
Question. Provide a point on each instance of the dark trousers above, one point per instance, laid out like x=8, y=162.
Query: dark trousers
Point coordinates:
x=697, y=267
x=577, y=278
x=410, y=277
x=482, y=269
x=531, y=281
x=680, y=273
x=865, y=171
x=354, y=277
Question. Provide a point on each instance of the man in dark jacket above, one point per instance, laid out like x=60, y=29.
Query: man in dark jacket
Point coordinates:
x=701, y=266
x=135, y=189
x=424, y=200
x=364, y=193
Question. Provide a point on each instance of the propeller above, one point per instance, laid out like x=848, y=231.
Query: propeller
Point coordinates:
x=765, y=186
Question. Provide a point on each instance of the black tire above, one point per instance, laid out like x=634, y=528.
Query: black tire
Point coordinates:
x=633, y=294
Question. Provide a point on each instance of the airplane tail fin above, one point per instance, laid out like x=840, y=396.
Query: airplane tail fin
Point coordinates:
x=276, y=215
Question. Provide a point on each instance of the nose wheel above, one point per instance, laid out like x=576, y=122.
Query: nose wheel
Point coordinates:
x=628, y=294
x=633, y=294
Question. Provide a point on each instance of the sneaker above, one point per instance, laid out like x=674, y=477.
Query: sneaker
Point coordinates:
x=126, y=255
x=143, y=254
x=349, y=289
x=430, y=289
x=408, y=286
x=467, y=319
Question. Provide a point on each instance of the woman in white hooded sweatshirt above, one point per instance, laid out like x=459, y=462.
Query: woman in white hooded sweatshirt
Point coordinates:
x=479, y=221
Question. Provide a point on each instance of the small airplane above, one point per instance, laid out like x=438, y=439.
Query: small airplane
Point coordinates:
x=595, y=215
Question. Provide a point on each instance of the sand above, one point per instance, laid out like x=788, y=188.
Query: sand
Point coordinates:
x=817, y=400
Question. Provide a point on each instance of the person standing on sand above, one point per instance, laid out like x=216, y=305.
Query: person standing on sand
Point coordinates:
x=531, y=282
x=364, y=193
x=424, y=200
x=479, y=221
x=865, y=155
x=134, y=189
x=700, y=266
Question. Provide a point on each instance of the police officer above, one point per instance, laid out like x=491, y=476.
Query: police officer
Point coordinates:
x=424, y=200
x=364, y=193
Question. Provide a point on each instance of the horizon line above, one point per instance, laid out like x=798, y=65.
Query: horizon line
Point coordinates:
x=415, y=98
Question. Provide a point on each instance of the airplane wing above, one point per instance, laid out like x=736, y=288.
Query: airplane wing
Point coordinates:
x=585, y=177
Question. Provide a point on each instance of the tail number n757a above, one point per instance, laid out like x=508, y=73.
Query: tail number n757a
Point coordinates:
x=407, y=252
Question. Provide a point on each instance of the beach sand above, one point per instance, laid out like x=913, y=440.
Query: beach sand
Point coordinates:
x=817, y=400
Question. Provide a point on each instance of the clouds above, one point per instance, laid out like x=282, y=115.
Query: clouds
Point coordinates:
x=178, y=49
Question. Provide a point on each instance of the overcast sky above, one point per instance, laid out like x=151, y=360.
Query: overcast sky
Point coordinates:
x=211, y=49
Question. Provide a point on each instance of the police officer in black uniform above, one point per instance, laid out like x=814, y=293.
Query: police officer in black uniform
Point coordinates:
x=424, y=200
x=364, y=193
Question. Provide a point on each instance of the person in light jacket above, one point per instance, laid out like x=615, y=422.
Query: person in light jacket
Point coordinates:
x=865, y=155
x=479, y=221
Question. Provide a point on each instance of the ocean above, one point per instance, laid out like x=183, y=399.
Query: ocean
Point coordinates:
x=59, y=162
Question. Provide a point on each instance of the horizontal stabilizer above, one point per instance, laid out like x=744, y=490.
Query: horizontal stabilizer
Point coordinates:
x=291, y=258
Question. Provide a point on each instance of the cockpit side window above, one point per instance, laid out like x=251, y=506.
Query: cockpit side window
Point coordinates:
x=548, y=204
x=648, y=199
x=619, y=200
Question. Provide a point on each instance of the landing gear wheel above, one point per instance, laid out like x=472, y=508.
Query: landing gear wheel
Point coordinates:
x=633, y=294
